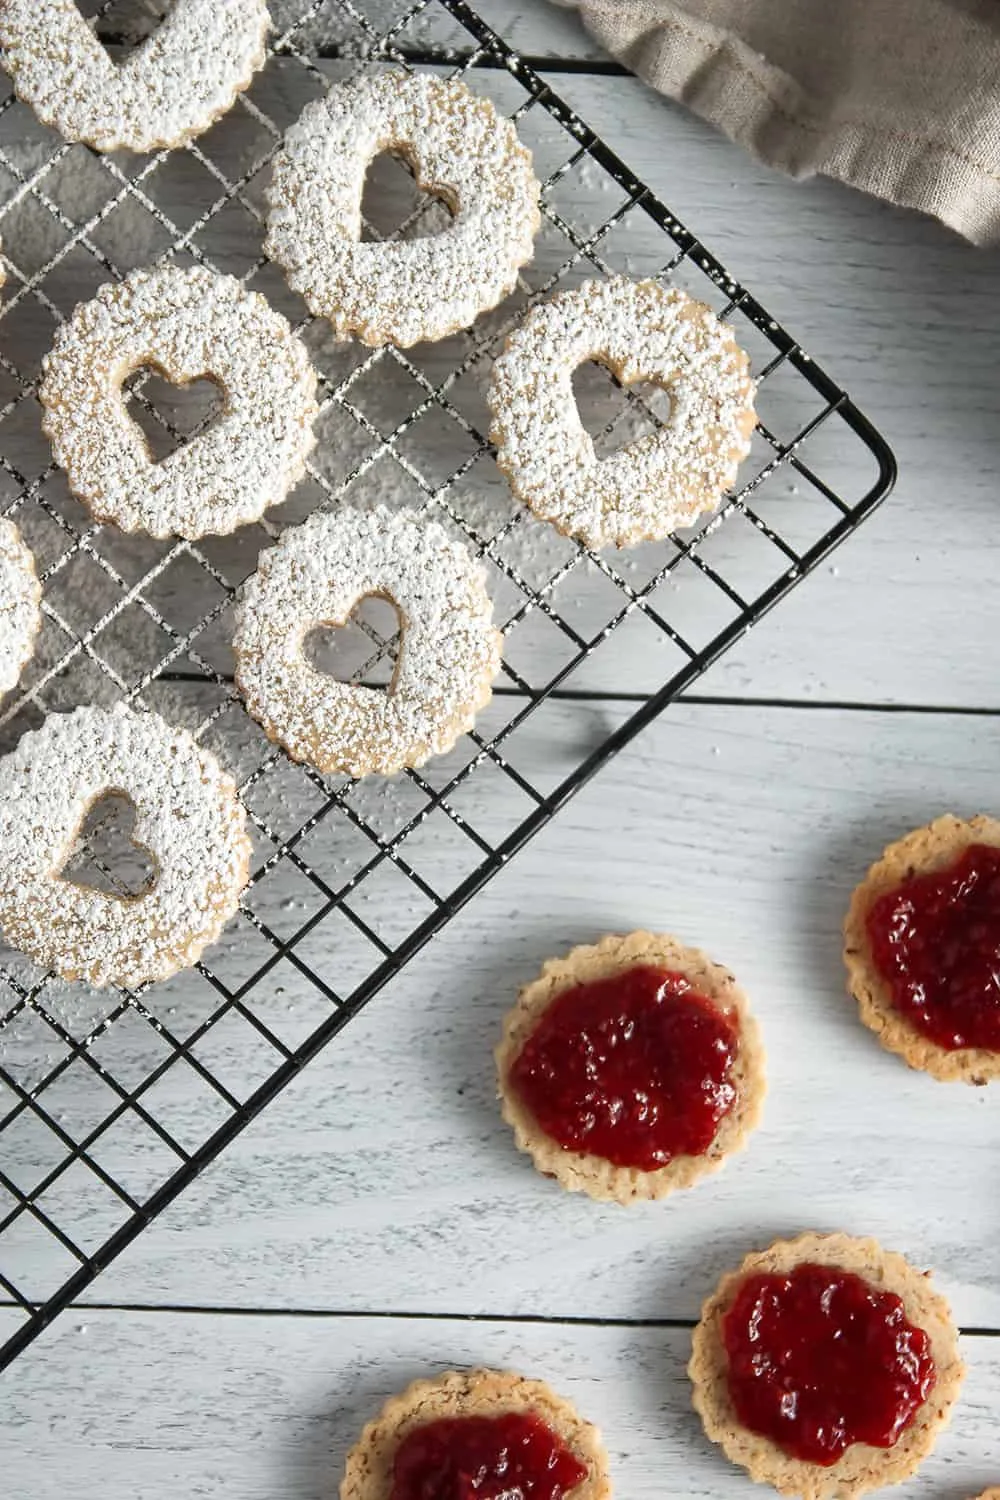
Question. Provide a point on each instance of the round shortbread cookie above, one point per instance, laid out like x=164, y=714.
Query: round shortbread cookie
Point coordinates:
x=639, y=330
x=188, y=323
x=584, y=1172
x=861, y=1467
x=470, y=1393
x=187, y=816
x=172, y=87
x=459, y=149
x=918, y=853
x=20, y=605
x=448, y=657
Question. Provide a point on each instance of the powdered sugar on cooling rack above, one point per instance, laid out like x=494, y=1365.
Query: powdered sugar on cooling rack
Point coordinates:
x=20, y=605
x=641, y=331
x=187, y=816
x=172, y=87
x=461, y=149
x=448, y=656
x=189, y=323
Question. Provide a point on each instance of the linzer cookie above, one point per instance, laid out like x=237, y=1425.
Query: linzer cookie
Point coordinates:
x=922, y=948
x=188, y=817
x=20, y=605
x=449, y=650
x=825, y=1366
x=631, y=1068
x=396, y=291
x=187, y=323
x=641, y=331
x=515, y=1435
x=182, y=79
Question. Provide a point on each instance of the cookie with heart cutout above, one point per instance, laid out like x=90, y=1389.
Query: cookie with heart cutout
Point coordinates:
x=172, y=87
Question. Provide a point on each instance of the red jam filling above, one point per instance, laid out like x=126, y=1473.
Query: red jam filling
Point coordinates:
x=480, y=1458
x=935, y=941
x=820, y=1359
x=634, y=1068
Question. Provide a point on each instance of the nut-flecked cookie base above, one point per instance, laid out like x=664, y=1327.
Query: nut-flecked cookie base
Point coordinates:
x=467, y=1393
x=862, y=1467
x=920, y=852
x=586, y=1173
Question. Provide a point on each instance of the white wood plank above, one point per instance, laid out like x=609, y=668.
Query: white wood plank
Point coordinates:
x=541, y=30
x=252, y=1407
x=384, y=1177
x=249, y=1407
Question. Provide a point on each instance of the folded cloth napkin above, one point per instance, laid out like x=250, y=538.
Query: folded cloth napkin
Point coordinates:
x=898, y=97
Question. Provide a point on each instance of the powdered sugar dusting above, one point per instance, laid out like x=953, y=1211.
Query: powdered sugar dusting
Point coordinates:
x=20, y=605
x=189, y=323
x=641, y=331
x=448, y=657
x=187, y=815
x=172, y=87
x=461, y=149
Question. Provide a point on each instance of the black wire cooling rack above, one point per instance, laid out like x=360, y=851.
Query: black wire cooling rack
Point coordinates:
x=111, y=1102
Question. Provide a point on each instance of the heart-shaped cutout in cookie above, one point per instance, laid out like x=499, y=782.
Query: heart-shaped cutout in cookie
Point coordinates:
x=617, y=415
x=396, y=205
x=123, y=29
x=171, y=414
x=105, y=857
x=364, y=649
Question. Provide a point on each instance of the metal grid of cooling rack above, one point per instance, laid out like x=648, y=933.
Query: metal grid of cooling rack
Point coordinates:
x=111, y=1103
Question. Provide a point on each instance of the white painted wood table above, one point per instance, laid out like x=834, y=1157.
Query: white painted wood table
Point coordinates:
x=375, y=1222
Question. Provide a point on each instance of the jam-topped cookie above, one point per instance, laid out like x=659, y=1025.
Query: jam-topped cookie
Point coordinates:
x=517, y=1437
x=922, y=948
x=630, y=1068
x=825, y=1366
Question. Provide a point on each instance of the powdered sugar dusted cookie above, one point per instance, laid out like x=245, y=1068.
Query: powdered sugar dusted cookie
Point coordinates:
x=187, y=816
x=20, y=605
x=448, y=656
x=188, y=323
x=630, y=1068
x=460, y=149
x=641, y=331
x=517, y=1433
x=825, y=1366
x=172, y=87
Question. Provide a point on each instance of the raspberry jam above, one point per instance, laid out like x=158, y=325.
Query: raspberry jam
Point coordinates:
x=820, y=1359
x=935, y=941
x=479, y=1458
x=635, y=1068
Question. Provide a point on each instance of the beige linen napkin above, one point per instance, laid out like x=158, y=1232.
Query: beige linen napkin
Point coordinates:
x=898, y=97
